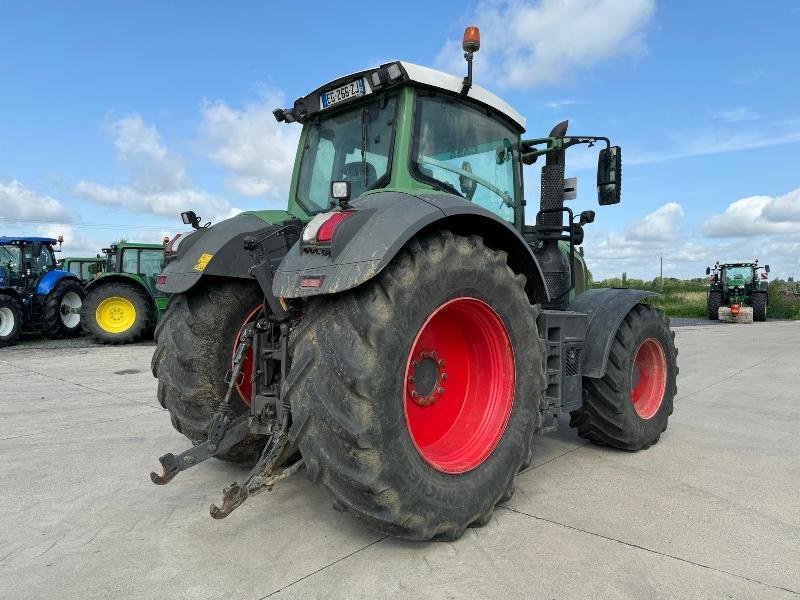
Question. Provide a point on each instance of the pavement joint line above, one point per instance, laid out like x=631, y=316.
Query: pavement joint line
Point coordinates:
x=532, y=467
x=732, y=375
x=25, y=435
x=638, y=547
x=338, y=560
x=87, y=387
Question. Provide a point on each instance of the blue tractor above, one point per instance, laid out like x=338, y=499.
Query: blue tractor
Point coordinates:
x=34, y=294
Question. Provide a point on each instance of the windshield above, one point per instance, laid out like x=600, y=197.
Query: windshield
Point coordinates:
x=738, y=275
x=352, y=146
x=9, y=256
x=461, y=150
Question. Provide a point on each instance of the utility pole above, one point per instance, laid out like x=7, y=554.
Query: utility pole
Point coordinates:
x=661, y=277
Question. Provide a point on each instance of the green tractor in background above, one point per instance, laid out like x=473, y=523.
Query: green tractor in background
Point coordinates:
x=401, y=330
x=738, y=293
x=122, y=303
x=85, y=268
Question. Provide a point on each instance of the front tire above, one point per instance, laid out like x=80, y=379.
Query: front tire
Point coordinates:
x=194, y=344
x=629, y=406
x=117, y=313
x=415, y=396
x=712, y=305
x=10, y=320
x=62, y=308
x=759, y=304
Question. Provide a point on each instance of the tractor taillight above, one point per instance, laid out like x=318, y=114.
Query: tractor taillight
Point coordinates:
x=322, y=227
x=161, y=280
x=735, y=309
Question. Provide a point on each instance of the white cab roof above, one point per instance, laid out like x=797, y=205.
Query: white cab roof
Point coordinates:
x=451, y=83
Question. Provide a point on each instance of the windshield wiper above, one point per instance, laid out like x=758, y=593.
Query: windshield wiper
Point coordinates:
x=443, y=186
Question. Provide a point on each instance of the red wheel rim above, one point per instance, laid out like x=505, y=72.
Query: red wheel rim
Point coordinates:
x=244, y=384
x=648, y=378
x=458, y=386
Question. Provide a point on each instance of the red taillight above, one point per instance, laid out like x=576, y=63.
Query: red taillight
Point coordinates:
x=161, y=280
x=734, y=309
x=311, y=282
x=327, y=229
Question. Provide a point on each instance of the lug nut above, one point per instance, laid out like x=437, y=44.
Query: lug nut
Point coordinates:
x=443, y=376
x=414, y=364
x=410, y=379
x=440, y=390
x=414, y=394
x=424, y=355
x=441, y=362
x=434, y=354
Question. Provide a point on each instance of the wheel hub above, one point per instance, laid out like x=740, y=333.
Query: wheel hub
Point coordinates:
x=426, y=378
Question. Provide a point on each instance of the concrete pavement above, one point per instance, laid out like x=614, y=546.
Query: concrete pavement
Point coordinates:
x=711, y=511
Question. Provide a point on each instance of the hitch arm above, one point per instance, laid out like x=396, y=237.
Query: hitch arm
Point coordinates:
x=172, y=465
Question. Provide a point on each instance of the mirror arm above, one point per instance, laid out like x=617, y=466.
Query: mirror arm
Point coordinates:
x=556, y=144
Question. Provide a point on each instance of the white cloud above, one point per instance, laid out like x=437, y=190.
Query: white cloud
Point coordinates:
x=658, y=226
x=76, y=242
x=256, y=150
x=527, y=43
x=715, y=142
x=737, y=115
x=636, y=249
x=167, y=203
x=757, y=215
x=157, y=182
x=559, y=104
x=19, y=203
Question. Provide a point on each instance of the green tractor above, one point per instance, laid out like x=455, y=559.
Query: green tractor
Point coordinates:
x=399, y=331
x=86, y=269
x=738, y=293
x=122, y=303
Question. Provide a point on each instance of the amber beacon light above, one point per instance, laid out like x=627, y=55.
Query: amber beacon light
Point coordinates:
x=472, y=39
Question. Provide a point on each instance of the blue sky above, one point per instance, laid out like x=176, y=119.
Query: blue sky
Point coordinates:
x=116, y=116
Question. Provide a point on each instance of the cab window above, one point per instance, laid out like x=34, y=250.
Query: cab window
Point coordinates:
x=463, y=151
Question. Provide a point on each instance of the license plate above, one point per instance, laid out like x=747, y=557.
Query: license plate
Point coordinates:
x=348, y=91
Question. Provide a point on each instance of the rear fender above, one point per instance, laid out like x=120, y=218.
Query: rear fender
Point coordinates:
x=384, y=222
x=218, y=250
x=50, y=279
x=606, y=308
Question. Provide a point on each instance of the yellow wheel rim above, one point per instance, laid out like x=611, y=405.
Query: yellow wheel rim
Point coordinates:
x=115, y=314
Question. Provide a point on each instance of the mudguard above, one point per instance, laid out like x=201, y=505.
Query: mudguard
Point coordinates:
x=217, y=250
x=606, y=309
x=384, y=222
x=50, y=279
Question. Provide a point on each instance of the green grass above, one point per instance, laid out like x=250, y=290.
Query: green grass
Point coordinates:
x=687, y=298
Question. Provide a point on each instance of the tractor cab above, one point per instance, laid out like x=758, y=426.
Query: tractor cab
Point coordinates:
x=24, y=260
x=410, y=129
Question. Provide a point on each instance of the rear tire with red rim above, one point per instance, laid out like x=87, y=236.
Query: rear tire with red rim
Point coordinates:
x=194, y=347
x=630, y=405
x=415, y=396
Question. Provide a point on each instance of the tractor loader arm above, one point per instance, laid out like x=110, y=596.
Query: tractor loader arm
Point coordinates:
x=380, y=226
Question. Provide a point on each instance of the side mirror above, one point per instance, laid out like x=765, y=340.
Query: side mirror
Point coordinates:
x=766, y=268
x=708, y=270
x=609, y=176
